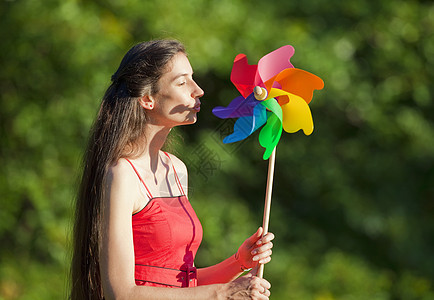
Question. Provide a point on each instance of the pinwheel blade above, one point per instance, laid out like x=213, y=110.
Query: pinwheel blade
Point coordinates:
x=289, y=91
x=269, y=136
x=297, y=115
x=273, y=63
x=239, y=107
x=299, y=82
x=245, y=126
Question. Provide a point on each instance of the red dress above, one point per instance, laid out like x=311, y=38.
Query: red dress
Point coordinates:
x=166, y=236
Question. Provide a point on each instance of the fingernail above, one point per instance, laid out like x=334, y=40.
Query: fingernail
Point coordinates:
x=255, y=258
x=259, y=242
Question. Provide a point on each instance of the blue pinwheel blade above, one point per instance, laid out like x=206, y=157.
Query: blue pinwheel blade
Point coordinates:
x=245, y=126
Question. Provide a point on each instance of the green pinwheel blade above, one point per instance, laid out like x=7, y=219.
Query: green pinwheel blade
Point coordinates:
x=270, y=134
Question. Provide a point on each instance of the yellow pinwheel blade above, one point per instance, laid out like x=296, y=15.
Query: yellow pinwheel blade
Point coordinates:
x=274, y=93
x=297, y=115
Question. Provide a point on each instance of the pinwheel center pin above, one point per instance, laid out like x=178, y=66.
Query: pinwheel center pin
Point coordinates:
x=260, y=93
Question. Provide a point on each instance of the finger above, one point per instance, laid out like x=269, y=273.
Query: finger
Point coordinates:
x=260, y=283
x=262, y=255
x=269, y=236
x=265, y=283
x=266, y=239
x=265, y=260
x=265, y=293
x=255, y=237
x=262, y=249
x=261, y=293
x=260, y=296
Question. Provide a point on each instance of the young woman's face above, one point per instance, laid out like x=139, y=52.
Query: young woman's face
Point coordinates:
x=177, y=102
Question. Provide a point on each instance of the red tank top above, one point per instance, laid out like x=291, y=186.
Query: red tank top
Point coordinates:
x=166, y=236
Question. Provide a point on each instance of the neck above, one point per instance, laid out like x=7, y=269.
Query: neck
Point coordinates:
x=155, y=138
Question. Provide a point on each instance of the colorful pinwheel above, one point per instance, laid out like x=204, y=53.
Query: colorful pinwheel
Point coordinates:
x=286, y=106
x=273, y=93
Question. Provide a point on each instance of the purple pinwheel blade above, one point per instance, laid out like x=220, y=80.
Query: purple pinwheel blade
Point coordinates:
x=239, y=107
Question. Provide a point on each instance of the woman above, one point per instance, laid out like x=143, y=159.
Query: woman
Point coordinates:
x=135, y=232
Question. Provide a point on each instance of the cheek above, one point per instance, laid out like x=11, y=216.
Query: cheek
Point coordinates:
x=162, y=102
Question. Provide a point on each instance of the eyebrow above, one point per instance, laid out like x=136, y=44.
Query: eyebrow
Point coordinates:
x=181, y=75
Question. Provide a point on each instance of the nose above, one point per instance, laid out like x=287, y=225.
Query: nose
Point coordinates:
x=197, y=91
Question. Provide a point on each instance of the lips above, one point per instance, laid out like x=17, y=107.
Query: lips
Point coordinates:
x=196, y=108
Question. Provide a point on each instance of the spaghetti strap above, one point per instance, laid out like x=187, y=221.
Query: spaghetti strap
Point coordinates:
x=178, y=182
x=140, y=178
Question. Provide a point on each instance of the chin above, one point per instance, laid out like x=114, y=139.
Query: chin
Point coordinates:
x=192, y=119
x=189, y=121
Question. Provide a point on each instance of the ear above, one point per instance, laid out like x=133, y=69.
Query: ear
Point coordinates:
x=147, y=102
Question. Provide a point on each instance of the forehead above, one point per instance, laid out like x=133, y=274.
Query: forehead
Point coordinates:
x=178, y=65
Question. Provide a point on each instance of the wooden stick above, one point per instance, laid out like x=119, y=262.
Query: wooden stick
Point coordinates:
x=267, y=206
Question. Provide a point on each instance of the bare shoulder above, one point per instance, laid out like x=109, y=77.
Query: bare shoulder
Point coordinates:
x=178, y=164
x=121, y=184
x=181, y=170
x=121, y=171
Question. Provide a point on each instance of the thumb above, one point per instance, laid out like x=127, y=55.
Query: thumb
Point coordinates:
x=256, y=236
x=254, y=271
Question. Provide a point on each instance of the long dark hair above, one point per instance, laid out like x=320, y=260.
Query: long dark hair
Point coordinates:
x=117, y=132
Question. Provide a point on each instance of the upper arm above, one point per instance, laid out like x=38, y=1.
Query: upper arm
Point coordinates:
x=117, y=248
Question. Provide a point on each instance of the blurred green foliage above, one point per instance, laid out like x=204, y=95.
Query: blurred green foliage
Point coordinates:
x=353, y=204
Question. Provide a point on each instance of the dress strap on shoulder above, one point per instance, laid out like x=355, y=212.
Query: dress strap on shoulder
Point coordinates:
x=140, y=178
x=178, y=182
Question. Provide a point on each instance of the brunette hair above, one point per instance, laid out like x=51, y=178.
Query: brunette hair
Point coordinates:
x=117, y=132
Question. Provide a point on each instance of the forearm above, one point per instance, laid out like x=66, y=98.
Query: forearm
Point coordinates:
x=223, y=272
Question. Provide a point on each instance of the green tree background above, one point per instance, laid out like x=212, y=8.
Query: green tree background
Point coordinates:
x=353, y=204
